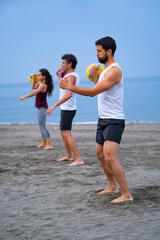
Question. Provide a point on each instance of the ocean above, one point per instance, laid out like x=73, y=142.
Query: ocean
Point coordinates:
x=141, y=103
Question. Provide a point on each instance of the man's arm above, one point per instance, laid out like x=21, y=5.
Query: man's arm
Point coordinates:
x=112, y=77
x=66, y=96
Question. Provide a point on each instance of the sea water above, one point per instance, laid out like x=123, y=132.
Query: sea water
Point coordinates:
x=141, y=103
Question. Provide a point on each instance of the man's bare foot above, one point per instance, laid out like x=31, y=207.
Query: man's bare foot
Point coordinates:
x=48, y=147
x=75, y=163
x=122, y=199
x=41, y=145
x=108, y=190
x=65, y=158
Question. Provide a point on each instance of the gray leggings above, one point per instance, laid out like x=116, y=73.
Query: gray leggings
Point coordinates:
x=42, y=121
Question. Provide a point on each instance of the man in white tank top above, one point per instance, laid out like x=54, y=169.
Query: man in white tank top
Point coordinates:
x=67, y=102
x=111, y=123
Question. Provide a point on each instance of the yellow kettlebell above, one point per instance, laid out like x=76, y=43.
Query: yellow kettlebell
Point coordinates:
x=89, y=75
x=31, y=79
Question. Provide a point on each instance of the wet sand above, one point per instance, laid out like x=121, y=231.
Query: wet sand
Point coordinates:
x=42, y=199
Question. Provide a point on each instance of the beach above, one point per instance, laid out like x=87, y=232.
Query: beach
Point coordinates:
x=42, y=199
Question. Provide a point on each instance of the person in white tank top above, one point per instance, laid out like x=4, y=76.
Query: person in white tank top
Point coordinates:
x=110, y=102
x=111, y=123
x=67, y=102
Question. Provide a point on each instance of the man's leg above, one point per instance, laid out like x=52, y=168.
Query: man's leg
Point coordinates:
x=73, y=146
x=110, y=151
x=107, y=170
x=68, y=155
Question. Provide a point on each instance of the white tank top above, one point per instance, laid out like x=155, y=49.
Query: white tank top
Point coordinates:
x=110, y=102
x=70, y=104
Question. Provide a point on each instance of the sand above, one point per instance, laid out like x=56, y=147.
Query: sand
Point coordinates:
x=41, y=199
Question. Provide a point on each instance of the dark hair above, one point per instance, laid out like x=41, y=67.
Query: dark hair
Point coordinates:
x=48, y=79
x=70, y=58
x=107, y=43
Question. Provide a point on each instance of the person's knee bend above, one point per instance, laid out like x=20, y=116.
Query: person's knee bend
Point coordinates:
x=99, y=153
x=108, y=157
x=41, y=128
x=65, y=133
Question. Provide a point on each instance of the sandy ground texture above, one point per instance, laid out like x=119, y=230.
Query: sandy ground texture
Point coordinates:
x=42, y=199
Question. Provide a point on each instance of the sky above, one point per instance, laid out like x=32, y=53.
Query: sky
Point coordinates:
x=36, y=33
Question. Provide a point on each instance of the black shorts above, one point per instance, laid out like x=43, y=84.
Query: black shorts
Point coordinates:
x=66, y=119
x=109, y=129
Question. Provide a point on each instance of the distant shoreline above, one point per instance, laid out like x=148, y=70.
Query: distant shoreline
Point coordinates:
x=77, y=123
x=83, y=80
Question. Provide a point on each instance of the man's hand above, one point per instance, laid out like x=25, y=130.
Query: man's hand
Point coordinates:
x=59, y=72
x=49, y=110
x=94, y=70
x=64, y=83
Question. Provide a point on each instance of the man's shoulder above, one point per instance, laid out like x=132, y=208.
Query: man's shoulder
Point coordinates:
x=76, y=75
x=114, y=74
x=114, y=70
x=117, y=69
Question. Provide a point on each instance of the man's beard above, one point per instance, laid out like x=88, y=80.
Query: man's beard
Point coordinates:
x=103, y=60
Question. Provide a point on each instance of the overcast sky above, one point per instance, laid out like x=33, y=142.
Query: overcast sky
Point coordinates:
x=36, y=33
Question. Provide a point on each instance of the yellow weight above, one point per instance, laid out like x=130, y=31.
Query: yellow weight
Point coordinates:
x=31, y=79
x=89, y=75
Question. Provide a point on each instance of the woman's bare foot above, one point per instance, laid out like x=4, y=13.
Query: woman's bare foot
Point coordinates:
x=41, y=145
x=65, y=158
x=108, y=190
x=123, y=199
x=75, y=163
x=48, y=147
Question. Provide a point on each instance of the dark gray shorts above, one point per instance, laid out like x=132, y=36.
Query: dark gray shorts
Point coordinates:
x=110, y=129
x=66, y=119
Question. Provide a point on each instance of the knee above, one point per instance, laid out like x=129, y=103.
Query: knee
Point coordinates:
x=41, y=127
x=99, y=154
x=64, y=134
x=41, y=123
x=108, y=157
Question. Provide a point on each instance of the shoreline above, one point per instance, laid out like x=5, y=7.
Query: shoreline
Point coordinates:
x=76, y=123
